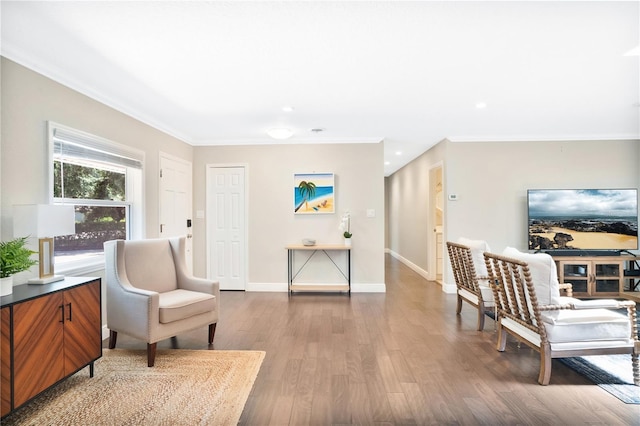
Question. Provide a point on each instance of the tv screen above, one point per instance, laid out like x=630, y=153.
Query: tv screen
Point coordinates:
x=583, y=219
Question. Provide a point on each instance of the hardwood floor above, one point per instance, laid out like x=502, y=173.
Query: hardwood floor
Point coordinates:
x=403, y=357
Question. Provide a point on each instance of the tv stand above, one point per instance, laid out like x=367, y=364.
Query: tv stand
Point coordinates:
x=598, y=275
x=584, y=253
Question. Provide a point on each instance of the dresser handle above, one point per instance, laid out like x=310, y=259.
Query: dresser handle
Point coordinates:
x=62, y=313
x=69, y=304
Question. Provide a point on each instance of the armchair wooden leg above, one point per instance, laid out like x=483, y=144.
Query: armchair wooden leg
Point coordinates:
x=502, y=338
x=113, y=336
x=545, y=366
x=151, y=354
x=480, y=318
x=212, y=332
x=459, y=306
x=635, y=364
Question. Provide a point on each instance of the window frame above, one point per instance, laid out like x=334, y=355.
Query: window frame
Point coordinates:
x=134, y=199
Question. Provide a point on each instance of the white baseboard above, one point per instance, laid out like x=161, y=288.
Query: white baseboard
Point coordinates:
x=446, y=288
x=424, y=274
x=105, y=332
x=449, y=288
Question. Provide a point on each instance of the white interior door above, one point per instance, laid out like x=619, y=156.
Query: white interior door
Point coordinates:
x=226, y=251
x=175, y=201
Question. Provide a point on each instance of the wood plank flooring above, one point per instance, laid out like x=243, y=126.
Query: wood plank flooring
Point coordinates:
x=403, y=357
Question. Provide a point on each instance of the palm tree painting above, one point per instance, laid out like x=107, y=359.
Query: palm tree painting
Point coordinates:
x=313, y=193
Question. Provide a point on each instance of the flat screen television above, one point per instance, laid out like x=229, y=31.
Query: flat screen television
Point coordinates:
x=582, y=220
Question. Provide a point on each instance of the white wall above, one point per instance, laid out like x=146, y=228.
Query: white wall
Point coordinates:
x=359, y=182
x=491, y=181
x=409, y=227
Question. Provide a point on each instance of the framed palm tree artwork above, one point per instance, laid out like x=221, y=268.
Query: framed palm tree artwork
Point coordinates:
x=313, y=193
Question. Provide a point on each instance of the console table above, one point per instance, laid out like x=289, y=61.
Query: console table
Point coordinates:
x=49, y=332
x=291, y=249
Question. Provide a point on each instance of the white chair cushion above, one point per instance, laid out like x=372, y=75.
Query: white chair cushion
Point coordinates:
x=585, y=325
x=478, y=247
x=180, y=304
x=543, y=274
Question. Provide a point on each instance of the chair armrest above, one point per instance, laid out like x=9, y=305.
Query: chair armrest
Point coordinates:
x=600, y=304
x=568, y=287
x=199, y=284
x=556, y=307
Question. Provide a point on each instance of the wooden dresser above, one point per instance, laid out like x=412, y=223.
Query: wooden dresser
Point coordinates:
x=48, y=333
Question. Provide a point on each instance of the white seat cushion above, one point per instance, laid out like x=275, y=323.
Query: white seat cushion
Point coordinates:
x=180, y=304
x=585, y=325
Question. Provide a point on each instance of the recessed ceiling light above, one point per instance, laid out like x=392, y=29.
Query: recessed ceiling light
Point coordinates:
x=386, y=163
x=317, y=130
x=398, y=152
x=287, y=108
x=481, y=105
x=280, y=133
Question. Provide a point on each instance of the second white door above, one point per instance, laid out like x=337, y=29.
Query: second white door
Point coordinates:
x=175, y=201
x=226, y=252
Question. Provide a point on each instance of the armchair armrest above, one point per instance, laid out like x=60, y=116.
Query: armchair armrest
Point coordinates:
x=567, y=287
x=600, y=304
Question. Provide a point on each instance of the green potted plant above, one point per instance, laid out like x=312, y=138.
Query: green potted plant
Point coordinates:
x=345, y=226
x=14, y=257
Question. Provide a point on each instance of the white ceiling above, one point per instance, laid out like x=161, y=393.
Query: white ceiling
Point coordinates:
x=408, y=73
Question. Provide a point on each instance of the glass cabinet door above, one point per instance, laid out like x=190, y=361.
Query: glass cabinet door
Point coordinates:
x=577, y=274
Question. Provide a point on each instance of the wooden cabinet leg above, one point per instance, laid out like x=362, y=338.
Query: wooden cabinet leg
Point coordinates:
x=113, y=336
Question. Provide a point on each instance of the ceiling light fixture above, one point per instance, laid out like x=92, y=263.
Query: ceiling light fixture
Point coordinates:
x=398, y=152
x=287, y=108
x=280, y=133
x=317, y=130
x=481, y=105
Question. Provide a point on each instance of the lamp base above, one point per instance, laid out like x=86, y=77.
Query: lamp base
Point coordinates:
x=46, y=280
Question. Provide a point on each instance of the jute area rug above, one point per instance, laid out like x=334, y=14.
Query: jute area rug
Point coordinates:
x=185, y=387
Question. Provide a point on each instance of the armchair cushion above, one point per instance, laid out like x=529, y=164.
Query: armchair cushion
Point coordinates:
x=150, y=265
x=544, y=274
x=585, y=325
x=180, y=304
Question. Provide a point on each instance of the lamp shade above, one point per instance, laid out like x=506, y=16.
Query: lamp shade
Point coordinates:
x=43, y=220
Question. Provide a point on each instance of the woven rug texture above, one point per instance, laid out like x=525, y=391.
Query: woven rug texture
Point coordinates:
x=185, y=387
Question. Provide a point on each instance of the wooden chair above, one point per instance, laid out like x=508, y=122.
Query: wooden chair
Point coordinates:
x=471, y=287
x=563, y=326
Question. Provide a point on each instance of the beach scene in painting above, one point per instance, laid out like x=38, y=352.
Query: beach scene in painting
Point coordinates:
x=583, y=219
x=313, y=193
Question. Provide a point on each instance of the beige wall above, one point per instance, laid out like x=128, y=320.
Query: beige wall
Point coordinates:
x=491, y=181
x=359, y=181
x=29, y=100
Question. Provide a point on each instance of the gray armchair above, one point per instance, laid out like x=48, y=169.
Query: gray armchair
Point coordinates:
x=151, y=295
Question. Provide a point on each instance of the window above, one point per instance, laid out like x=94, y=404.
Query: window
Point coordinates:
x=103, y=180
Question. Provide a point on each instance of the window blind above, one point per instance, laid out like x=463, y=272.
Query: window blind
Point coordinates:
x=74, y=144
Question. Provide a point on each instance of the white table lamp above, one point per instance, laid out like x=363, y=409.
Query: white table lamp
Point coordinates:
x=44, y=221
